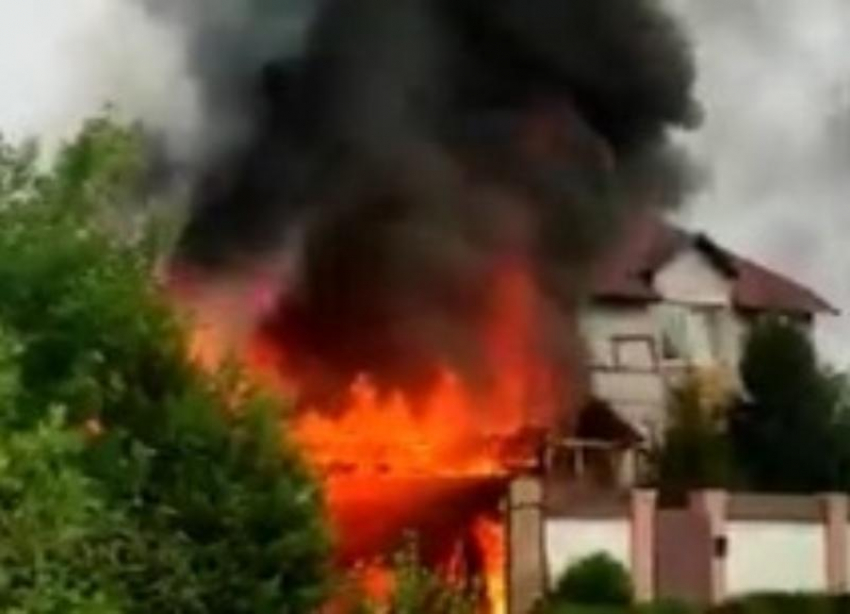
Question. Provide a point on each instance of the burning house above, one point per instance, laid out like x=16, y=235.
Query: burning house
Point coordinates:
x=395, y=226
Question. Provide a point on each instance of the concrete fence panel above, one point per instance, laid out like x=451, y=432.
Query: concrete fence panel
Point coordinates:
x=770, y=556
x=729, y=544
x=569, y=540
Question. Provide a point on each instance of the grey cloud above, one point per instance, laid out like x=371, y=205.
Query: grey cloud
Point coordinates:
x=774, y=77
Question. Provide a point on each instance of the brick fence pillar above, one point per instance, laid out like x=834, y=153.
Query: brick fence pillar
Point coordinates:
x=643, y=543
x=713, y=504
x=835, y=518
x=526, y=545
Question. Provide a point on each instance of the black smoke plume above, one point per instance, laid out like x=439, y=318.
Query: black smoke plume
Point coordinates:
x=397, y=150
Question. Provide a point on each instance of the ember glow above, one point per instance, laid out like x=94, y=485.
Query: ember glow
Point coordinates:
x=435, y=461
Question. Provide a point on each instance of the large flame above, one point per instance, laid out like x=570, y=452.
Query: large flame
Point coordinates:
x=385, y=434
x=451, y=428
x=435, y=461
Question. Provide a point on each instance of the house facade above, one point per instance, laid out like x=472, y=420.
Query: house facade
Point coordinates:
x=667, y=302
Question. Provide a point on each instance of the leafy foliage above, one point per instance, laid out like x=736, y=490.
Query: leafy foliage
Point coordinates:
x=200, y=505
x=50, y=519
x=662, y=607
x=56, y=530
x=784, y=432
x=416, y=590
x=595, y=580
x=695, y=453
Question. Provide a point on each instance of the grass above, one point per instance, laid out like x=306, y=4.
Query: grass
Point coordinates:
x=757, y=604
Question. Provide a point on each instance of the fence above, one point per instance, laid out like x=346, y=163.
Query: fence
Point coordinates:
x=719, y=545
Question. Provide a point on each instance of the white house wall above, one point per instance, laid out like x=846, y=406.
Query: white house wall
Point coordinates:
x=692, y=281
x=603, y=323
x=627, y=378
x=690, y=278
x=637, y=396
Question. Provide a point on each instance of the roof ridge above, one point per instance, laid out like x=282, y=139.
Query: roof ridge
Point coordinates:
x=653, y=241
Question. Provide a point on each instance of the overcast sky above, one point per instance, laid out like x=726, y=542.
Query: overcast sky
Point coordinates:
x=774, y=79
x=775, y=82
x=62, y=60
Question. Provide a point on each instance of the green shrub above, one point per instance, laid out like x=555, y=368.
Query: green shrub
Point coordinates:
x=596, y=580
x=668, y=607
x=755, y=604
x=415, y=589
x=662, y=607
x=574, y=608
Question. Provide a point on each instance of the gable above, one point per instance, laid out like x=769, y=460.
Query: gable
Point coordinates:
x=653, y=257
x=691, y=277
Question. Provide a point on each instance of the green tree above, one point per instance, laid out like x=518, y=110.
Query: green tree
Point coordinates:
x=50, y=514
x=50, y=518
x=695, y=451
x=217, y=512
x=784, y=430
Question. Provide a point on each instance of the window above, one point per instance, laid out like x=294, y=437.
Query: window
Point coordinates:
x=692, y=334
x=674, y=333
x=634, y=352
x=718, y=322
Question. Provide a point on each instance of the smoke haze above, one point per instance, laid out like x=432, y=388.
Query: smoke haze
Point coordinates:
x=415, y=146
x=772, y=79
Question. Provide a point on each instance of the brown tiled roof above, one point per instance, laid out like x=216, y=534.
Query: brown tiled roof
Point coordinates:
x=625, y=273
x=758, y=288
x=649, y=242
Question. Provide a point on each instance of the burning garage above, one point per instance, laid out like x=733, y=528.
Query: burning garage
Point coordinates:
x=394, y=225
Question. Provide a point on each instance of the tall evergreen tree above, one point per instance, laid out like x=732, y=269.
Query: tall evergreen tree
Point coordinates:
x=784, y=429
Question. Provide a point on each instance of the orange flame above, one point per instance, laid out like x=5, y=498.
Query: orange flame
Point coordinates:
x=450, y=429
x=490, y=535
x=387, y=435
x=371, y=443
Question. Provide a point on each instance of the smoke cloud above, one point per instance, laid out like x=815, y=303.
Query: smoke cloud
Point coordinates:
x=397, y=152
